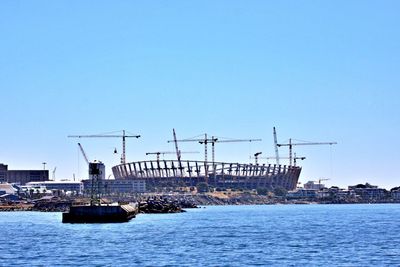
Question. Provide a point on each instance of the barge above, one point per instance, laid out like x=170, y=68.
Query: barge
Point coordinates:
x=113, y=213
x=98, y=212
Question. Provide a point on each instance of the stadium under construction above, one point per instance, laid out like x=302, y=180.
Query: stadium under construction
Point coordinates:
x=187, y=173
x=174, y=173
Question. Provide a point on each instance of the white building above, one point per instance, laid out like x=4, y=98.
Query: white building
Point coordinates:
x=118, y=186
x=302, y=193
x=66, y=186
x=312, y=185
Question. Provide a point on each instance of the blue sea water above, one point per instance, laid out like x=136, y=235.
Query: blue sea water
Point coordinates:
x=278, y=235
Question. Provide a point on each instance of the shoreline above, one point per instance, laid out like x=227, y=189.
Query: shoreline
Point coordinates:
x=175, y=203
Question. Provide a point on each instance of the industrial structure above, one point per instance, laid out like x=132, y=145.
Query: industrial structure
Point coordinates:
x=97, y=184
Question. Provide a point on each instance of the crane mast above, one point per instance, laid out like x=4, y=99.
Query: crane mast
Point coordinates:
x=276, y=147
x=256, y=157
x=54, y=173
x=178, y=153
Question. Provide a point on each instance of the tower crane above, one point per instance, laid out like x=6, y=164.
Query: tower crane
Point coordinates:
x=158, y=153
x=213, y=140
x=256, y=157
x=94, y=172
x=54, y=173
x=112, y=135
x=320, y=180
x=83, y=153
x=295, y=158
x=276, y=147
x=290, y=145
x=178, y=152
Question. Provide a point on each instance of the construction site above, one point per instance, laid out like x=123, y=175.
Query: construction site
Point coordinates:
x=157, y=174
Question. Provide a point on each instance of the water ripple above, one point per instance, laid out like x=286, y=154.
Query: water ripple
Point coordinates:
x=309, y=235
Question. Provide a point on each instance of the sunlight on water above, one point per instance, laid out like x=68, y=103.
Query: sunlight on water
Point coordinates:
x=294, y=235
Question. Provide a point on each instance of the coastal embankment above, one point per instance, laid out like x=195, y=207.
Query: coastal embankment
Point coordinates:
x=170, y=203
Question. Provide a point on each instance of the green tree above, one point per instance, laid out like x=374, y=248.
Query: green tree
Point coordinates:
x=262, y=191
x=202, y=187
x=280, y=192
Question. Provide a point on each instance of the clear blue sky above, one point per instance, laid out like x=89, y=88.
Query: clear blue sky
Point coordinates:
x=317, y=70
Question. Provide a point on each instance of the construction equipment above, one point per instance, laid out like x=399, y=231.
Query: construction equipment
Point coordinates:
x=83, y=153
x=290, y=145
x=54, y=173
x=256, y=157
x=158, y=153
x=295, y=158
x=320, y=180
x=276, y=147
x=178, y=153
x=213, y=140
x=111, y=135
x=96, y=175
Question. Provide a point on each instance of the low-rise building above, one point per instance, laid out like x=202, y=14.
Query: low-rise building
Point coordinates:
x=369, y=192
x=336, y=193
x=313, y=185
x=302, y=193
x=22, y=176
x=66, y=186
x=395, y=194
x=3, y=173
x=120, y=186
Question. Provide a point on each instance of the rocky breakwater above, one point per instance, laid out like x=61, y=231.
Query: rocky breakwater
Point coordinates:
x=52, y=206
x=16, y=207
x=165, y=205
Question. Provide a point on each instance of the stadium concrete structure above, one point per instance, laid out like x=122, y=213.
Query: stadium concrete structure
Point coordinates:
x=174, y=173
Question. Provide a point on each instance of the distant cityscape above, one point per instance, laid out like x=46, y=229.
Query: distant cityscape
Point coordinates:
x=17, y=185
